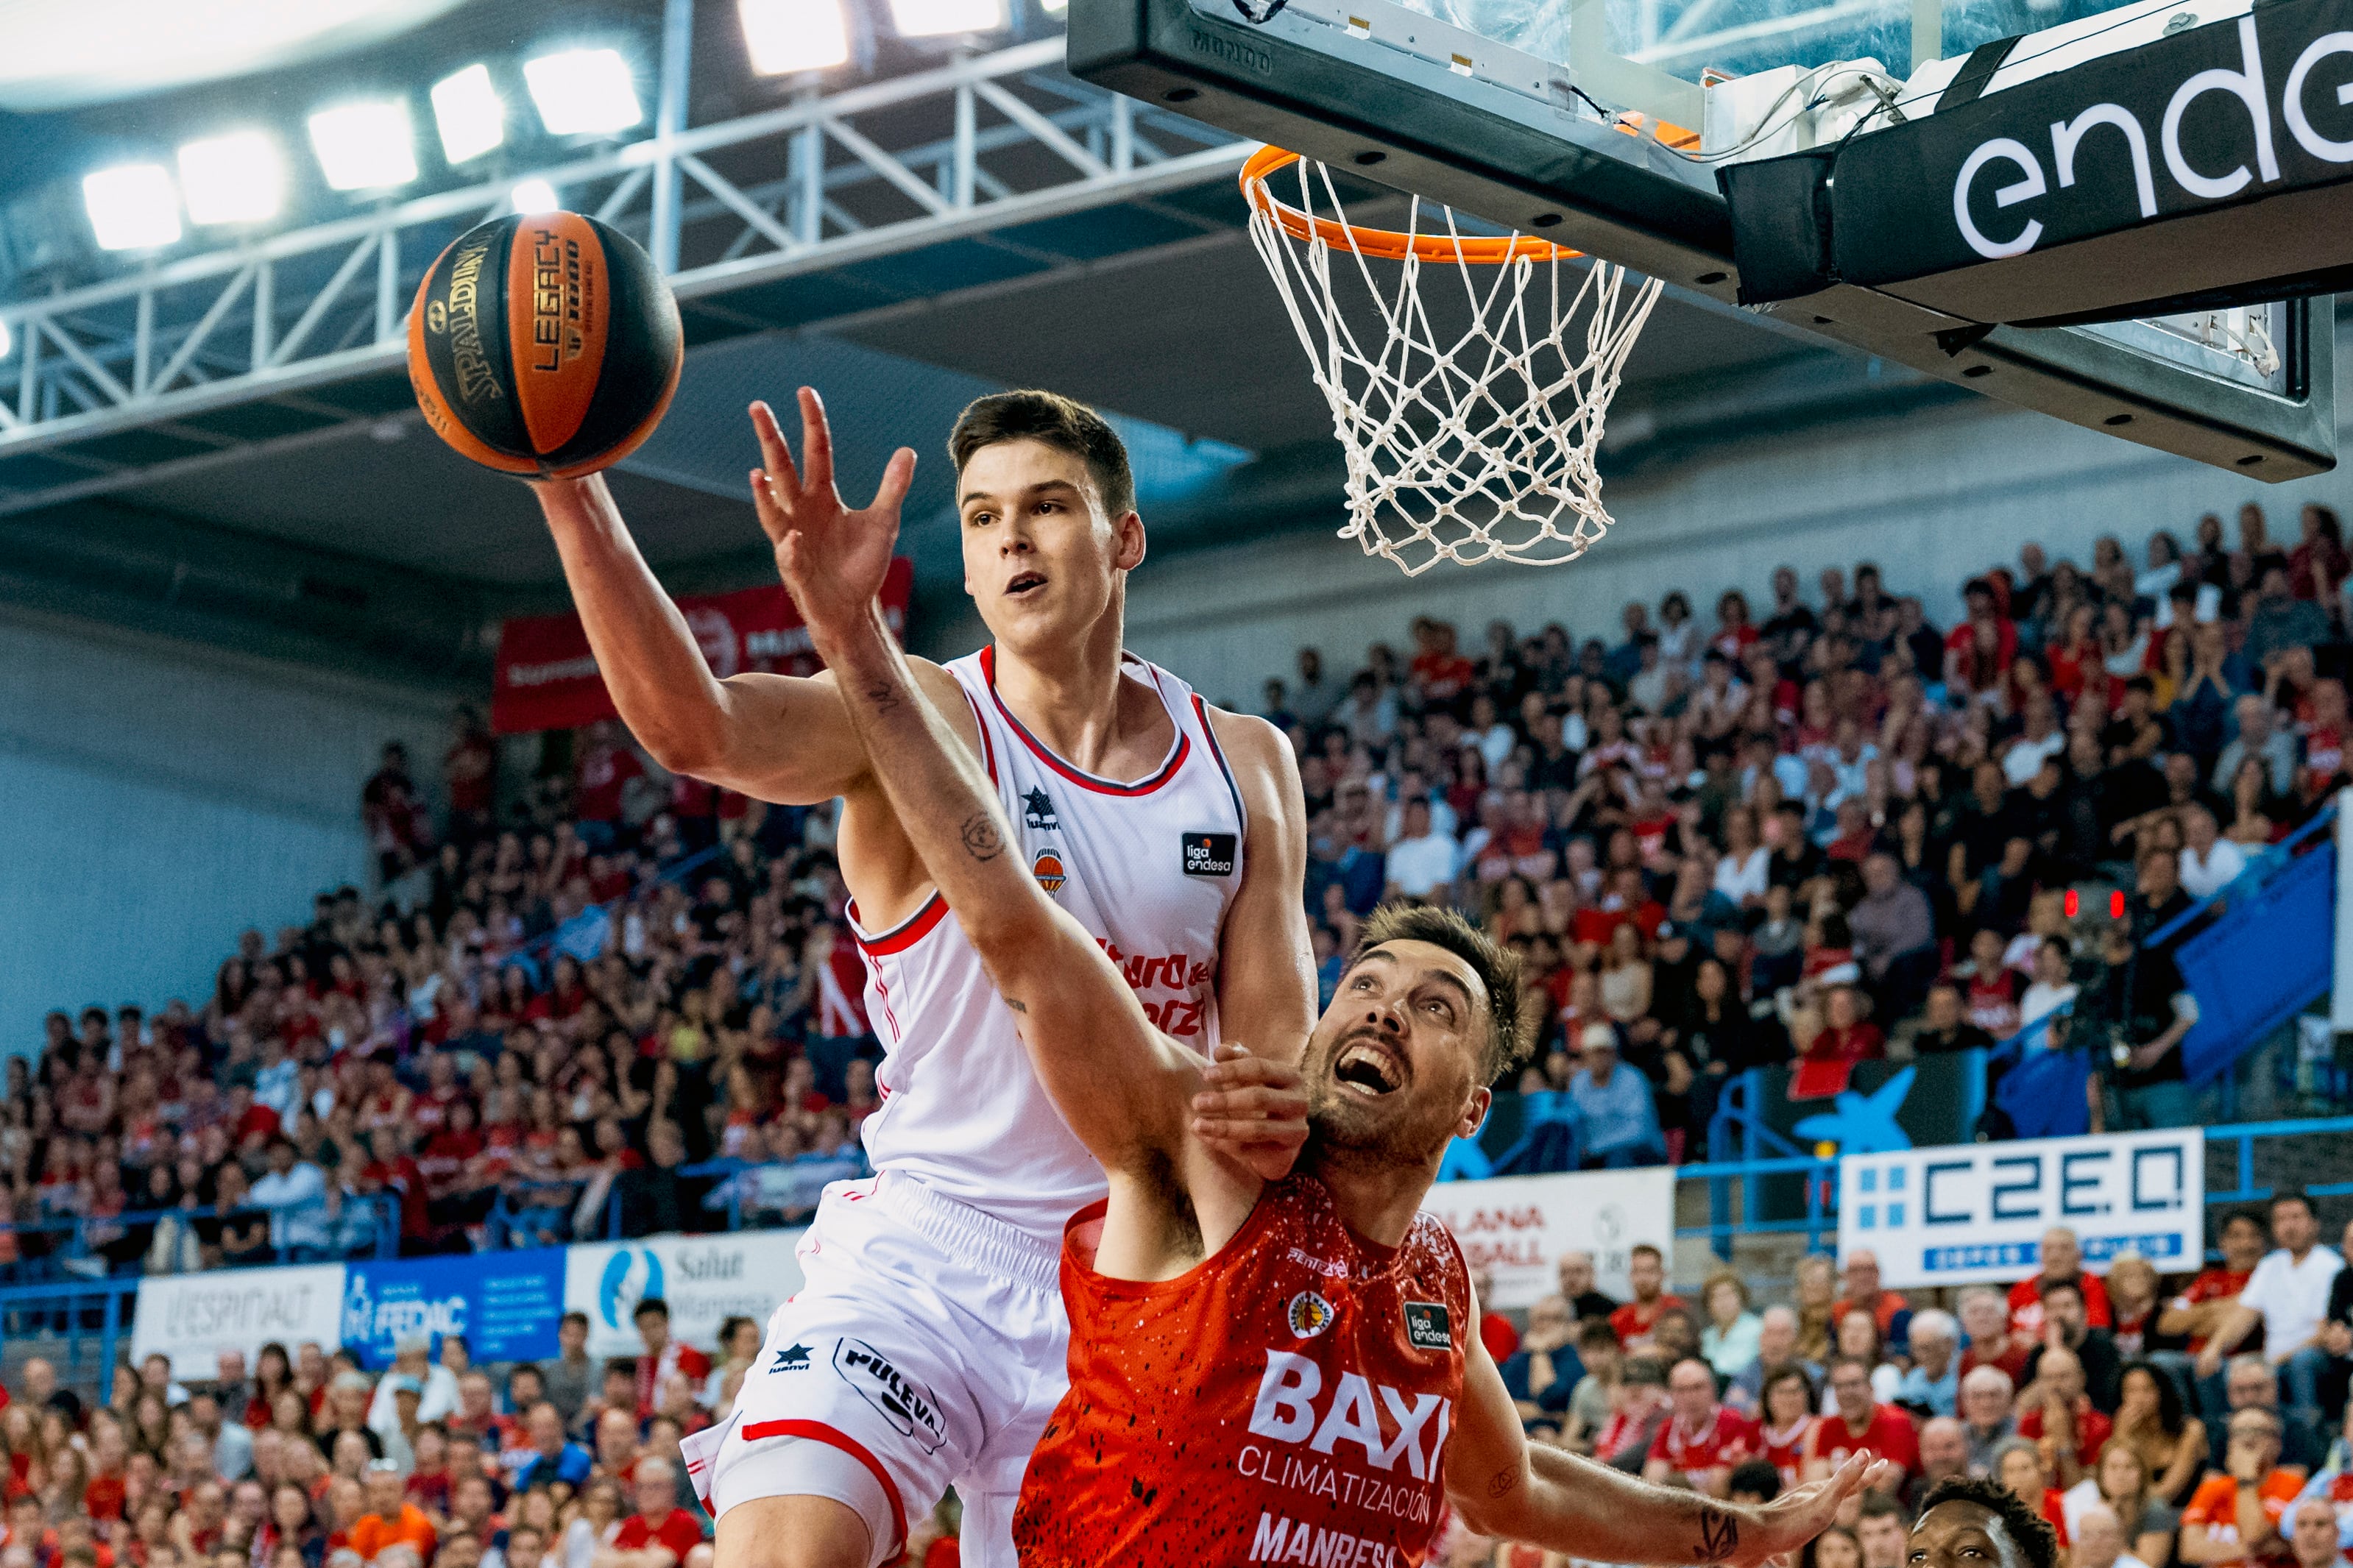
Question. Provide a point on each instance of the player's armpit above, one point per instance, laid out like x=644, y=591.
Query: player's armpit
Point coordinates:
x=1266, y=963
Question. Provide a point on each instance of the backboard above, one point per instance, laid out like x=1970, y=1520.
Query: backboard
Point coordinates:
x=1581, y=122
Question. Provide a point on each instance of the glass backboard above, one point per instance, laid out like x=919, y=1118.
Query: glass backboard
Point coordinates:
x=1583, y=121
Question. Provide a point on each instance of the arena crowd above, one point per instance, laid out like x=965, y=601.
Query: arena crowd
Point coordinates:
x=1818, y=831
x=1822, y=829
x=2199, y=1419
x=300, y=1460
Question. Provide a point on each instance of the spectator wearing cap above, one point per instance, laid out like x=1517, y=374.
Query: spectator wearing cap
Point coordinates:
x=436, y=1385
x=391, y=1520
x=1616, y=1119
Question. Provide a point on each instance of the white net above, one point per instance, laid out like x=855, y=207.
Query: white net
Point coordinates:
x=1469, y=439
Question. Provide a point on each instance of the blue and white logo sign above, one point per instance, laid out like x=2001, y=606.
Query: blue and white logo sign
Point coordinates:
x=631, y=1274
x=1972, y=1212
x=505, y=1303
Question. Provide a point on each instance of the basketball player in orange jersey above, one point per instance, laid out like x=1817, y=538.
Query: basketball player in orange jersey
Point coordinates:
x=928, y=1346
x=1260, y=1370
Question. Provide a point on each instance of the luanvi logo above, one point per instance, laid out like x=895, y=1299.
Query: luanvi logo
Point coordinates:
x=1234, y=54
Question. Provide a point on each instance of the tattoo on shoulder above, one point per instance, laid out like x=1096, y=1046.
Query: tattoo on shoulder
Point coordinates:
x=981, y=840
x=1504, y=1482
x=1719, y=1535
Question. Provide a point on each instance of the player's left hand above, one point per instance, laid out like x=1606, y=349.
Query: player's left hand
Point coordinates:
x=1789, y=1521
x=1251, y=1109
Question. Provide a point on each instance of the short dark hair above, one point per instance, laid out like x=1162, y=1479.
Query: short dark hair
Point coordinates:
x=2243, y=1216
x=1882, y=1505
x=2029, y=1529
x=1643, y=1248
x=579, y=1317
x=1596, y=1332
x=652, y=1306
x=1509, y=1038
x=1059, y=422
x=1755, y=1477
x=2294, y=1196
x=2050, y=1288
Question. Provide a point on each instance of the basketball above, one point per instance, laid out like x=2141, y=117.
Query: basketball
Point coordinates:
x=545, y=344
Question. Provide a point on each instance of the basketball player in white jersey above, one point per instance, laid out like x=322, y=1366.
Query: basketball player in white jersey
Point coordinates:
x=928, y=1346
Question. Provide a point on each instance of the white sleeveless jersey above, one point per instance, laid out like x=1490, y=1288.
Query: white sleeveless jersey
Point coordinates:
x=1150, y=867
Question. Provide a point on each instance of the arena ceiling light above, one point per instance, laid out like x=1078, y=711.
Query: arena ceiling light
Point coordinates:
x=364, y=146
x=133, y=207
x=583, y=91
x=235, y=178
x=470, y=114
x=933, y=18
x=786, y=35
x=536, y=196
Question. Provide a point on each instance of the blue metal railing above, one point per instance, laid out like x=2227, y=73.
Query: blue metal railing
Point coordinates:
x=2272, y=856
x=83, y=1238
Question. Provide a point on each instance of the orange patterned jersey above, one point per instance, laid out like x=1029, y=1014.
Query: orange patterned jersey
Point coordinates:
x=1286, y=1401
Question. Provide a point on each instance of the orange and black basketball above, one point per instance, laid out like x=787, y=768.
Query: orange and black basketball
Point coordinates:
x=545, y=344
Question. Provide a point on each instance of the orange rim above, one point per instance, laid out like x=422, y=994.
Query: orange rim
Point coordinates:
x=1388, y=244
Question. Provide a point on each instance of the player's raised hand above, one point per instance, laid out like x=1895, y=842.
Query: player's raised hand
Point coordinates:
x=1789, y=1521
x=831, y=557
x=1251, y=1109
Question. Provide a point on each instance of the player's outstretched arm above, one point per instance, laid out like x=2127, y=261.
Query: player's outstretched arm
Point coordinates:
x=1504, y=1485
x=1118, y=1081
x=773, y=737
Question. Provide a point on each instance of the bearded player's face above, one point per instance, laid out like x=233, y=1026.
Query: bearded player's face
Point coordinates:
x=1393, y=1066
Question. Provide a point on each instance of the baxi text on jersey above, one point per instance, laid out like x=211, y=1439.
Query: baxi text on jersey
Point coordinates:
x=1395, y=1428
x=1285, y=1540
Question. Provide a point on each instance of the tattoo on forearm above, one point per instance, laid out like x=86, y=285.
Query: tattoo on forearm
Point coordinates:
x=1719, y=1535
x=1503, y=1482
x=883, y=694
x=981, y=840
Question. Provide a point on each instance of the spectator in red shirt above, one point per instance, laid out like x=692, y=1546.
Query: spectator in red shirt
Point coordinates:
x=1985, y=1319
x=2062, y=1258
x=1888, y=1307
x=2206, y=1304
x=394, y=1170
x=1860, y=1421
x=664, y=1355
x=1646, y=1266
x=1703, y=1438
x=661, y=1534
x=606, y=766
x=2058, y=1416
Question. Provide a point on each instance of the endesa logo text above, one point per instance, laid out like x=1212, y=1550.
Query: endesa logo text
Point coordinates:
x=2030, y=180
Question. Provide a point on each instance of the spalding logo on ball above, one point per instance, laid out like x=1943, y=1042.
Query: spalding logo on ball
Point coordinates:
x=545, y=344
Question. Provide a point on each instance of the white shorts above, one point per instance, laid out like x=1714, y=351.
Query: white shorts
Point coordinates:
x=929, y=1345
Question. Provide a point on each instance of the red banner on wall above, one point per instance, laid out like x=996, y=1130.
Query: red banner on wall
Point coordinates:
x=547, y=679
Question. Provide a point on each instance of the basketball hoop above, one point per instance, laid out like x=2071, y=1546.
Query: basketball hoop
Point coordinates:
x=1475, y=449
